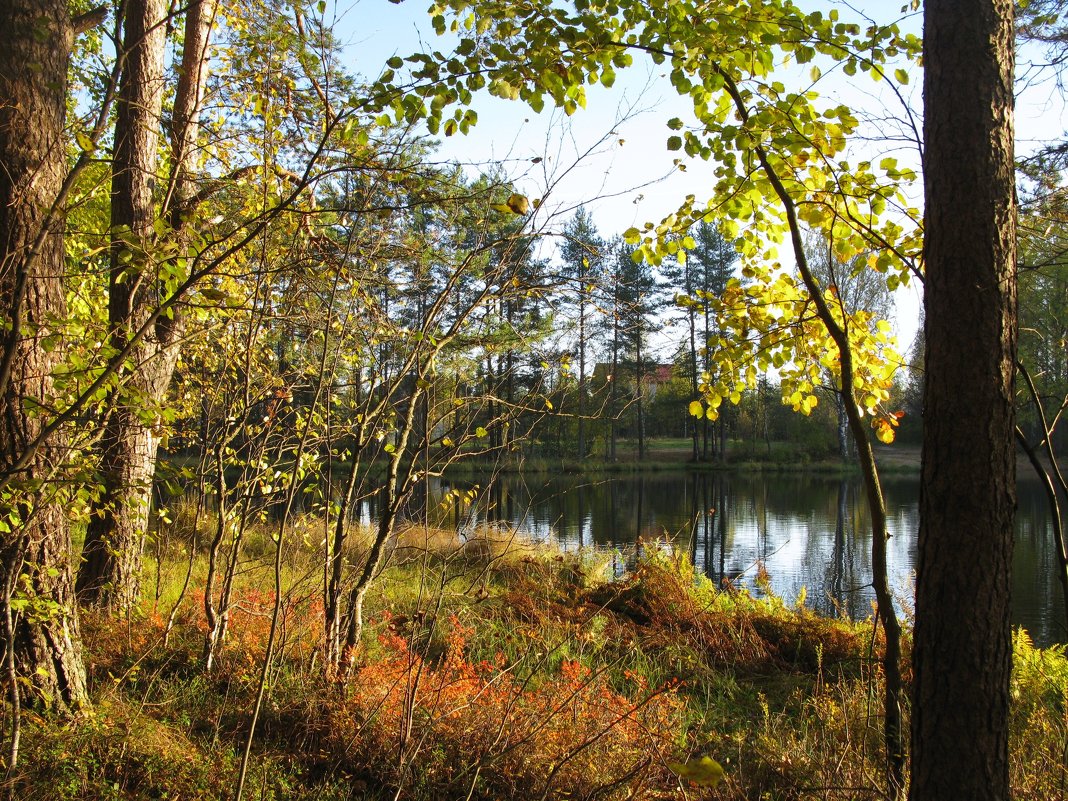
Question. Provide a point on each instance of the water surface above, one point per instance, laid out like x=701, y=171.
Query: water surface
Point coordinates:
x=807, y=531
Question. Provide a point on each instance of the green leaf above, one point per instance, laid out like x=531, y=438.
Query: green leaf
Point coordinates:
x=902, y=76
x=674, y=143
x=214, y=295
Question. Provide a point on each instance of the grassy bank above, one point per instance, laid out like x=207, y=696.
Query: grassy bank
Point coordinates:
x=676, y=454
x=497, y=670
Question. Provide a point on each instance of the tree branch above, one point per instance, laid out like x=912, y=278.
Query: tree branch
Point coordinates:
x=89, y=20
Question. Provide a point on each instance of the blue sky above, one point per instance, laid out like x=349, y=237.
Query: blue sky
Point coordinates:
x=612, y=155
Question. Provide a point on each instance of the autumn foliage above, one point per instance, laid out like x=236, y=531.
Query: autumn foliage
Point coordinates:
x=541, y=677
x=493, y=728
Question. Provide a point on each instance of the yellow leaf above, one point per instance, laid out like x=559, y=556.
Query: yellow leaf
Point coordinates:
x=705, y=771
x=518, y=204
x=84, y=142
x=697, y=409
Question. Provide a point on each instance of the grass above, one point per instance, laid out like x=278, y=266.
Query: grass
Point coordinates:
x=676, y=454
x=496, y=669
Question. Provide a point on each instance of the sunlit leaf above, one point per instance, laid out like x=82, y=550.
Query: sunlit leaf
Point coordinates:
x=705, y=772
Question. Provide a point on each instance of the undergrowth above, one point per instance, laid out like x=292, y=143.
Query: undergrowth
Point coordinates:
x=495, y=671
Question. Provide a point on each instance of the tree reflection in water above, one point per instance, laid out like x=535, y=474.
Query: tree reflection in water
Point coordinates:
x=806, y=530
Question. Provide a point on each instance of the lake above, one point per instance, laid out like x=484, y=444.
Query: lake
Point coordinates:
x=808, y=531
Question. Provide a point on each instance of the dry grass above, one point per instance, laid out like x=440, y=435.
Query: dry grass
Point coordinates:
x=496, y=669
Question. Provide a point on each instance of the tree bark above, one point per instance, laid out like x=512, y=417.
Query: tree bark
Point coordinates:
x=35, y=550
x=111, y=567
x=708, y=444
x=843, y=429
x=641, y=372
x=963, y=651
x=613, y=390
x=695, y=379
x=582, y=370
x=188, y=99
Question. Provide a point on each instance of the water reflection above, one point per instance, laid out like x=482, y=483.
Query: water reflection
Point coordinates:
x=807, y=531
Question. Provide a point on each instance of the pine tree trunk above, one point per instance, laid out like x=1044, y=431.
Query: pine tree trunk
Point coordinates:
x=582, y=377
x=707, y=440
x=695, y=390
x=641, y=402
x=109, y=575
x=963, y=646
x=613, y=395
x=35, y=551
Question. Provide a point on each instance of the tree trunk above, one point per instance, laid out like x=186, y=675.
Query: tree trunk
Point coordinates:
x=723, y=432
x=613, y=393
x=109, y=574
x=35, y=550
x=843, y=429
x=582, y=375
x=893, y=694
x=111, y=559
x=963, y=650
x=188, y=98
x=641, y=402
x=708, y=445
x=695, y=378
x=336, y=564
x=393, y=494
